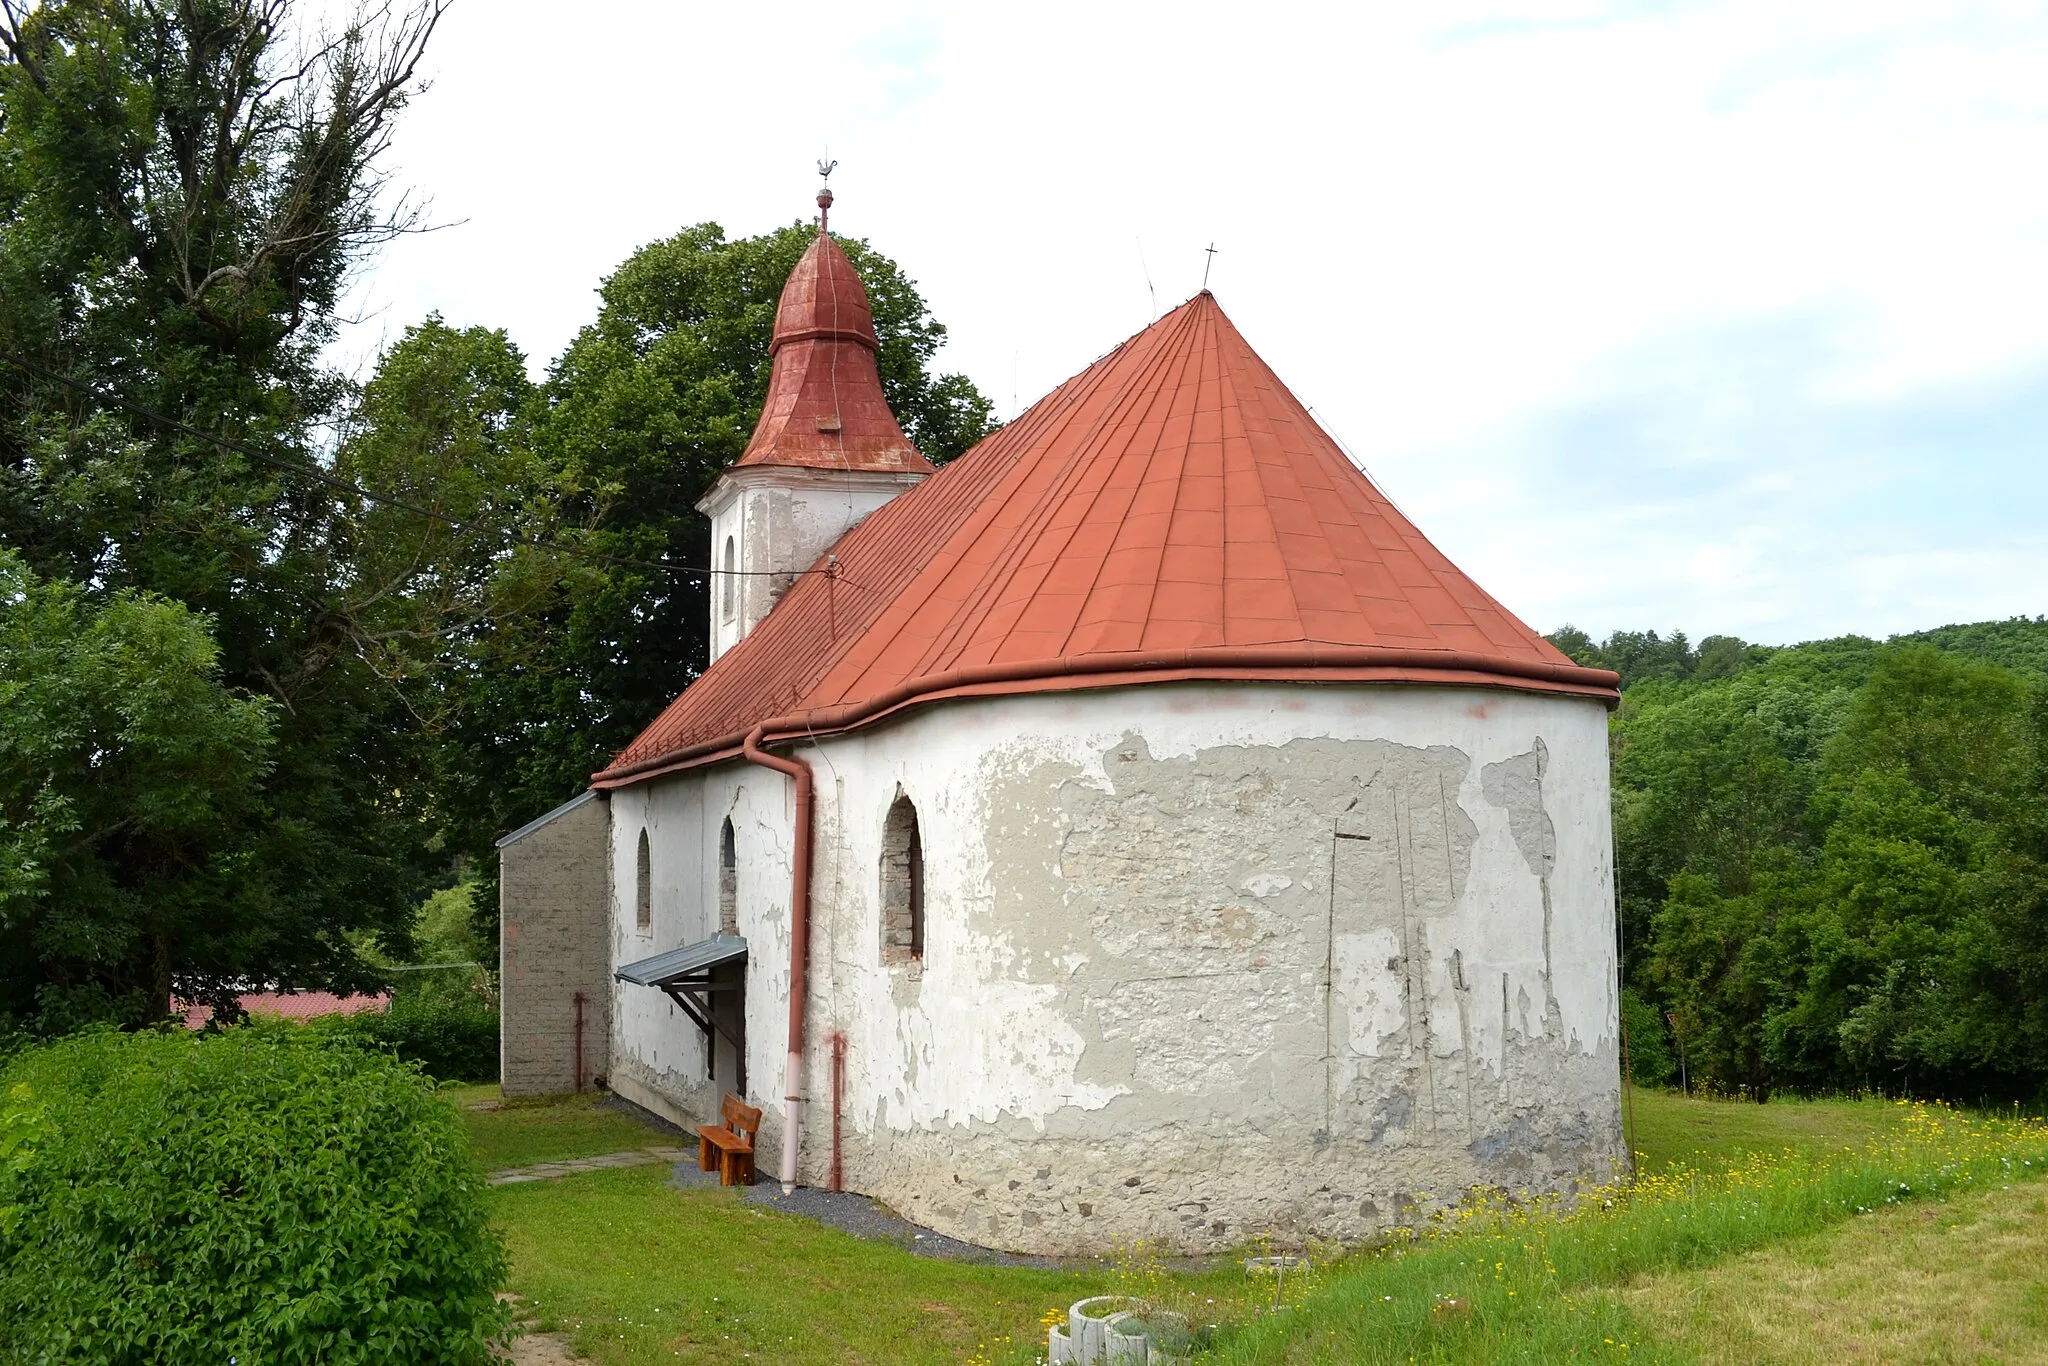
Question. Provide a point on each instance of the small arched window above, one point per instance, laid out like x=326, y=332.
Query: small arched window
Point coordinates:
x=728, y=882
x=902, y=885
x=731, y=577
x=643, y=886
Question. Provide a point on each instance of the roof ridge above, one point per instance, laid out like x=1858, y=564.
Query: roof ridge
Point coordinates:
x=1018, y=543
x=1071, y=407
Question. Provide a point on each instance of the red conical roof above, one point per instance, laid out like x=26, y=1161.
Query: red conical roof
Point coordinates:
x=1170, y=513
x=825, y=408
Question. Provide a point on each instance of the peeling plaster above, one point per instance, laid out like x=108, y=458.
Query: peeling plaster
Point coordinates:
x=1203, y=961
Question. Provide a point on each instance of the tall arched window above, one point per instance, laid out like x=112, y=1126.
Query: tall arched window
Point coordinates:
x=902, y=885
x=728, y=882
x=643, y=886
x=731, y=577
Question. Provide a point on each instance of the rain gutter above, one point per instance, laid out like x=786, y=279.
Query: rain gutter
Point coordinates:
x=1387, y=664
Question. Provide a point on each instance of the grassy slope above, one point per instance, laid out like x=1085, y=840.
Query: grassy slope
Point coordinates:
x=639, y=1271
x=1513, y=1288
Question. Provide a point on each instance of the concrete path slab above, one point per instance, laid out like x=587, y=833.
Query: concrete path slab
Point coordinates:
x=553, y=1171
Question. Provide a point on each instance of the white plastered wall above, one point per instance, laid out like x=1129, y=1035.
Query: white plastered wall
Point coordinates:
x=658, y=1053
x=779, y=519
x=1201, y=961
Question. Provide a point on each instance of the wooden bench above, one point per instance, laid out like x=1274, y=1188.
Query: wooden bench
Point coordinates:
x=729, y=1147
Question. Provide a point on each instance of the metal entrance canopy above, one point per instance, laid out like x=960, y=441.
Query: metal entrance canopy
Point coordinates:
x=690, y=977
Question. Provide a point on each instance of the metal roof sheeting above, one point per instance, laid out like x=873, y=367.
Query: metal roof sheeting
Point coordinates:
x=664, y=969
x=825, y=407
x=1170, y=512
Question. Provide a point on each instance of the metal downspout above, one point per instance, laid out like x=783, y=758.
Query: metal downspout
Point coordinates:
x=799, y=944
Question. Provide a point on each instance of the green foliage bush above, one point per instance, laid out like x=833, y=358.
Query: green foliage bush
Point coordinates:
x=267, y=1194
x=452, y=1035
x=444, y=1019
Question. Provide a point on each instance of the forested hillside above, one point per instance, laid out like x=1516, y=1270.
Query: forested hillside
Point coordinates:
x=1832, y=858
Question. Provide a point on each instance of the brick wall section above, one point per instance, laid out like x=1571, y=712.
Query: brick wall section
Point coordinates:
x=554, y=940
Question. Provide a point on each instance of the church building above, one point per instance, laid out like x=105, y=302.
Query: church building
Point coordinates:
x=1135, y=829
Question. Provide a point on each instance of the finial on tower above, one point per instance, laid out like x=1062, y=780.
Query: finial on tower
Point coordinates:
x=825, y=170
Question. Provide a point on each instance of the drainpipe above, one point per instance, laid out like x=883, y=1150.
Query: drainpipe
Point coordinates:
x=799, y=943
x=581, y=999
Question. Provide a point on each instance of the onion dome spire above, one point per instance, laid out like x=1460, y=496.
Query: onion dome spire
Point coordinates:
x=825, y=407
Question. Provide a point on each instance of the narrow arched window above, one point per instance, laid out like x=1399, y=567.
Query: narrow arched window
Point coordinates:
x=728, y=882
x=902, y=885
x=643, y=886
x=731, y=577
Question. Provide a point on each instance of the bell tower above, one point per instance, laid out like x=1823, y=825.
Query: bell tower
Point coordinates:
x=826, y=452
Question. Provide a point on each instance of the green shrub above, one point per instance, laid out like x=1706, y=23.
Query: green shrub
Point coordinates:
x=451, y=1035
x=267, y=1194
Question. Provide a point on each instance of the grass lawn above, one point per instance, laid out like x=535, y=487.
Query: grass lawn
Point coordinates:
x=640, y=1271
x=1957, y=1281
x=1744, y=1223
x=1672, y=1129
x=518, y=1133
x=1509, y=1285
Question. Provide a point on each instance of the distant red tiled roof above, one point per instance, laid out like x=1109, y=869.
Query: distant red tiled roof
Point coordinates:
x=1172, y=512
x=292, y=1005
x=825, y=408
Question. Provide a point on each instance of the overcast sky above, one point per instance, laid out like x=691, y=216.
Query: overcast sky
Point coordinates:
x=1726, y=317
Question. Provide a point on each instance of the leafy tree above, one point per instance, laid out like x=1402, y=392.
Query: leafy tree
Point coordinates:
x=2019, y=643
x=1953, y=728
x=1720, y=657
x=430, y=581
x=1703, y=959
x=643, y=411
x=1577, y=645
x=185, y=188
x=133, y=839
x=1635, y=655
x=183, y=192
x=1841, y=886
x=1651, y=1061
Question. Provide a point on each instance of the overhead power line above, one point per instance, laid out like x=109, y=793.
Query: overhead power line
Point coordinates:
x=320, y=476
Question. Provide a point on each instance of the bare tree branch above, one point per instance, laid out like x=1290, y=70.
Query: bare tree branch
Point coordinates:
x=13, y=16
x=309, y=130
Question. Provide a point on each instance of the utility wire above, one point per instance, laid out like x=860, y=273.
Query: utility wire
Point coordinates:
x=332, y=481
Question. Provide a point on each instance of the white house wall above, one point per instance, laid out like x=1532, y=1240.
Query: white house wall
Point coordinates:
x=657, y=1051
x=1201, y=961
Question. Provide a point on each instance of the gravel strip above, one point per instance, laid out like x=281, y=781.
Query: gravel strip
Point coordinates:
x=867, y=1219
